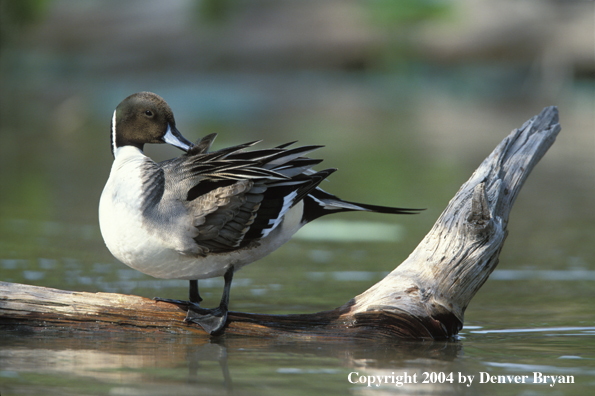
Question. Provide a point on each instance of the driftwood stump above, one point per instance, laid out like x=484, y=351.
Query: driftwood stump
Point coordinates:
x=424, y=297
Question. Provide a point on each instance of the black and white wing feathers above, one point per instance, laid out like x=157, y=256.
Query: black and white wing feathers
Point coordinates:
x=237, y=197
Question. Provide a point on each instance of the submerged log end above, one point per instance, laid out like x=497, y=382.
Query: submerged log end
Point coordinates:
x=336, y=324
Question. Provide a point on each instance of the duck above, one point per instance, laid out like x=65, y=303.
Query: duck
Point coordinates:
x=206, y=213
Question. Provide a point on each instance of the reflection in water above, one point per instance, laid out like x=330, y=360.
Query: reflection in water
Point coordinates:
x=182, y=365
x=208, y=352
x=123, y=365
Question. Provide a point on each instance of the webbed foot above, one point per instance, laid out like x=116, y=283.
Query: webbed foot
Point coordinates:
x=211, y=320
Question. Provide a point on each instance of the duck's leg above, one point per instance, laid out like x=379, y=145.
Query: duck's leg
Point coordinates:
x=213, y=320
x=193, y=292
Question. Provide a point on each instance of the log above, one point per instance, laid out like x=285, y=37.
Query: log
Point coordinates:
x=425, y=297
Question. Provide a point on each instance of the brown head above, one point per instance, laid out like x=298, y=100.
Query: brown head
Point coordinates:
x=145, y=117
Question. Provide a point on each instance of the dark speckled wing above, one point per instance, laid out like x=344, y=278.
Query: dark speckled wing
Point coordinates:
x=237, y=197
x=227, y=213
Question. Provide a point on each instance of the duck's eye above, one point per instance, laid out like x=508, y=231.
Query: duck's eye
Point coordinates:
x=148, y=113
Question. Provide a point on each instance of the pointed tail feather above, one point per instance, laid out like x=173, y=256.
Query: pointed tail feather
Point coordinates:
x=349, y=206
x=319, y=203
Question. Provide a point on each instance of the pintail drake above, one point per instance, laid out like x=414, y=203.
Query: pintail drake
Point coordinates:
x=206, y=213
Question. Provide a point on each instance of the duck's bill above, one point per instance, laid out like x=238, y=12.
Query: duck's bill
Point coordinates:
x=175, y=138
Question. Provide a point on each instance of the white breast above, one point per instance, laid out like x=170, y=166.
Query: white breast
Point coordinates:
x=120, y=215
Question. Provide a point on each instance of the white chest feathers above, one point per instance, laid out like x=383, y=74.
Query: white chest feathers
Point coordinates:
x=120, y=206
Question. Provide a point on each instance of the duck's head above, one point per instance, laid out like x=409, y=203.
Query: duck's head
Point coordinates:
x=145, y=117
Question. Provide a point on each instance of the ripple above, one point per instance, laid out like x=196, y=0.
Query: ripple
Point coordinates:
x=33, y=275
x=345, y=276
x=555, y=275
x=542, y=368
x=534, y=330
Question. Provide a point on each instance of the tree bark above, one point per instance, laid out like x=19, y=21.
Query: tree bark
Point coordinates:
x=424, y=297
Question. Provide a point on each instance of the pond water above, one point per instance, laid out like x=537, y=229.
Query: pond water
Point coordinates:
x=32, y=364
x=401, y=140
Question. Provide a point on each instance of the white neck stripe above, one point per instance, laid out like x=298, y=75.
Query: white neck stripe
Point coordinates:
x=114, y=134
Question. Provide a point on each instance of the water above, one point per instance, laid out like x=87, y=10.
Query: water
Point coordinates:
x=403, y=140
x=521, y=322
x=120, y=365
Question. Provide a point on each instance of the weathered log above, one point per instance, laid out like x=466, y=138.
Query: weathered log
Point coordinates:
x=424, y=297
